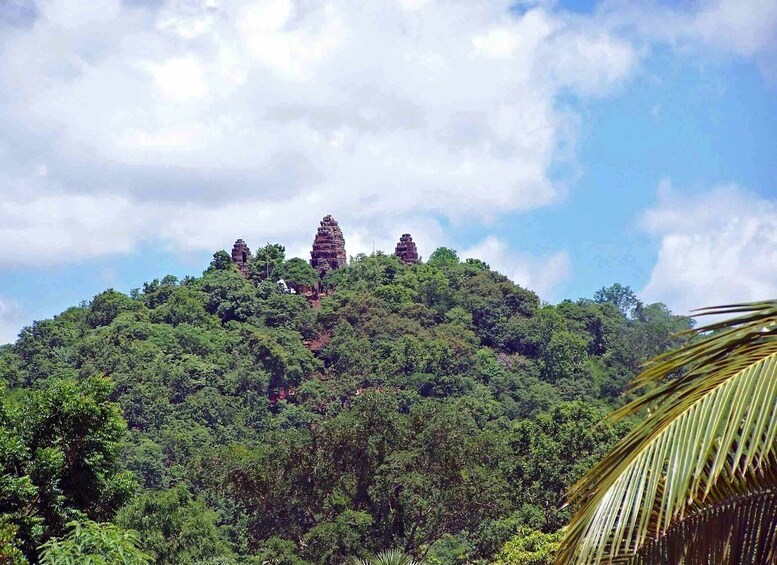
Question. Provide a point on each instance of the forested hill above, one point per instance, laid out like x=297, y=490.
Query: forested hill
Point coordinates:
x=437, y=408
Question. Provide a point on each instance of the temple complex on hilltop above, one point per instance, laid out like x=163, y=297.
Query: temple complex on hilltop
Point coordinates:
x=328, y=251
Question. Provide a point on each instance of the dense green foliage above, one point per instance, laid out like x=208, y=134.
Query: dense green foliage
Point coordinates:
x=59, y=456
x=436, y=408
x=90, y=543
x=176, y=528
x=529, y=547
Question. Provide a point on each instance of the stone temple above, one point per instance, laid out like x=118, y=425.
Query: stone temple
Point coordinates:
x=328, y=247
x=328, y=251
x=240, y=256
x=406, y=250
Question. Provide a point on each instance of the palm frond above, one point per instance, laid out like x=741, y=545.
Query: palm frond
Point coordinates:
x=387, y=557
x=735, y=524
x=711, y=421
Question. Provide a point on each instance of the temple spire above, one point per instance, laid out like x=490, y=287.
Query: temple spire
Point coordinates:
x=406, y=250
x=328, y=247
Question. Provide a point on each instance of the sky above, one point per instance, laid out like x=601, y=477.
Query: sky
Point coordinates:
x=569, y=144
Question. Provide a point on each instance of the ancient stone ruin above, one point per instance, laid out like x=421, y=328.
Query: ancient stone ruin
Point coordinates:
x=328, y=247
x=240, y=256
x=328, y=251
x=406, y=250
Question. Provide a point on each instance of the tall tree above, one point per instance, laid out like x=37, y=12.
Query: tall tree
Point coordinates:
x=621, y=296
x=444, y=256
x=267, y=261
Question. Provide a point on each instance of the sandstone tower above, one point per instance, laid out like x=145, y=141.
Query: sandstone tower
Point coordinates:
x=240, y=256
x=328, y=247
x=406, y=250
x=328, y=251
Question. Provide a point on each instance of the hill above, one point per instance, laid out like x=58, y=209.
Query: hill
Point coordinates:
x=229, y=418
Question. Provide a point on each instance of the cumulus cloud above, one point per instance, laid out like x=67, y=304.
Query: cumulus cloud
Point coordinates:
x=744, y=28
x=717, y=247
x=192, y=122
x=540, y=274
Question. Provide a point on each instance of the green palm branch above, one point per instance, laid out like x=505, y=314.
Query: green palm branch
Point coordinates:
x=696, y=482
x=388, y=557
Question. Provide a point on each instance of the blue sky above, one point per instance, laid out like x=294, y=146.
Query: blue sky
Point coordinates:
x=569, y=144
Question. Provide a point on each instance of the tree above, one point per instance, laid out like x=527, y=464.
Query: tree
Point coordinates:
x=96, y=544
x=562, y=357
x=229, y=295
x=568, y=436
x=331, y=542
x=694, y=482
x=107, y=305
x=621, y=296
x=222, y=261
x=298, y=273
x=443, y=256
x=279, y=551
x=529, y=547
x=48, y=347
x=59, y=459
x=267, y=261
x=445, y=481
x=175, y=528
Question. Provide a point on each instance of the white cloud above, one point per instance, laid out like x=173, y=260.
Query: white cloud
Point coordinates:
x=745, y=28
x=540, y=274
x=588, y=63
x=748, y=28
x=196, y=122
x=180, y=78
x=68, y=227
x=717, y=247
x=10, y=321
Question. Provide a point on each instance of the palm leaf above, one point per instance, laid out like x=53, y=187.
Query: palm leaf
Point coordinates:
x=710, y=420
x=387, y=557
x=735, y=524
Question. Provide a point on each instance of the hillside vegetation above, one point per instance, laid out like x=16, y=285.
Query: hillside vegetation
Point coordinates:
x=436, y=408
